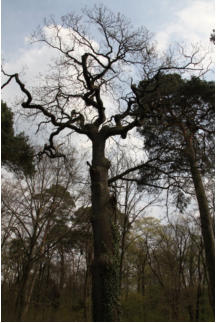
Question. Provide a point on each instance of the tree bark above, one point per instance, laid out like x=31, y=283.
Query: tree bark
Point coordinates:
x=88, y=282
x=22, y=295
x=123, y=239
x=105, y=267
x=125, y=230
x=29, y=293
x=62, y=270
x=205, y=217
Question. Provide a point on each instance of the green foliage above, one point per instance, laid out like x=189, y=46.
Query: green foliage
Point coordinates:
x=149, y=308
x=16, y=150
x=132, y=308
x=174, y=108
x=163, y=272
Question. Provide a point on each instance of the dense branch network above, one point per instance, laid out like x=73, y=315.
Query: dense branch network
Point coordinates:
x=73, y=97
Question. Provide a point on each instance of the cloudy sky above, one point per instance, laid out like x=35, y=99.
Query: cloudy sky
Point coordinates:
x=169, y=20
x=189, y=21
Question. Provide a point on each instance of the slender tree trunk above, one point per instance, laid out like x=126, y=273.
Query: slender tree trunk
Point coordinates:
x=62, y=271
x=199, y=287
x=29, y=292
x=105, y=267
x=87, y=283
x=87, y=294
x=22, y=294
x=205, y=217
x=143, y=277
x=127, y=283
x=190, y=313
x=123, y=239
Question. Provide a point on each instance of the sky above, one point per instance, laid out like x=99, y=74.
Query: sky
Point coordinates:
x=189, y=21
x=170, y=20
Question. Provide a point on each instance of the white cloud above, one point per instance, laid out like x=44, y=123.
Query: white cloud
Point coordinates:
x=33, y=61
x=191, y=24
x=199, y=17
x=38, y=59
x=29, y=64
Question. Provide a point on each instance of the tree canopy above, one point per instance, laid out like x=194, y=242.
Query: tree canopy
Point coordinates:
x=172, y=107
x=179, y=138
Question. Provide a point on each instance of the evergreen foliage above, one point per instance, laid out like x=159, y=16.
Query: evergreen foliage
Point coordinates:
x=172, y=107
x=17, y=152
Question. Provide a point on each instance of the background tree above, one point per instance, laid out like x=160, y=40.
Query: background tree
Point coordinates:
x=131, y=203
x=60, y=281
x=165, y=277
x=179, y=138
x=39, y=205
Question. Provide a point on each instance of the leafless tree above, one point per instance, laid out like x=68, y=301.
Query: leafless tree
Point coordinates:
x=34, y=206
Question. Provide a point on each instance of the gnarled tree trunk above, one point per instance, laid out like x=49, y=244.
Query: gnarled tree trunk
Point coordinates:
x=105, y=268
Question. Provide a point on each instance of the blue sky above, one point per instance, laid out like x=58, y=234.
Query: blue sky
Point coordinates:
x=168, y=19
x=188, y=21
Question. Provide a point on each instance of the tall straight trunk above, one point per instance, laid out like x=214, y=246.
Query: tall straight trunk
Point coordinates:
x=105, y=267
x=86, y=295
x=22, y=294
x=29, y=292
x=143, y=276
x=205, y=218
x=62, y=270
x=87, y=282
x=199, y=287
x=123, y=238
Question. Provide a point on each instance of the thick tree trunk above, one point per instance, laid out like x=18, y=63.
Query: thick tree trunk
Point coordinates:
x=205, y=217
x=105, y=268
